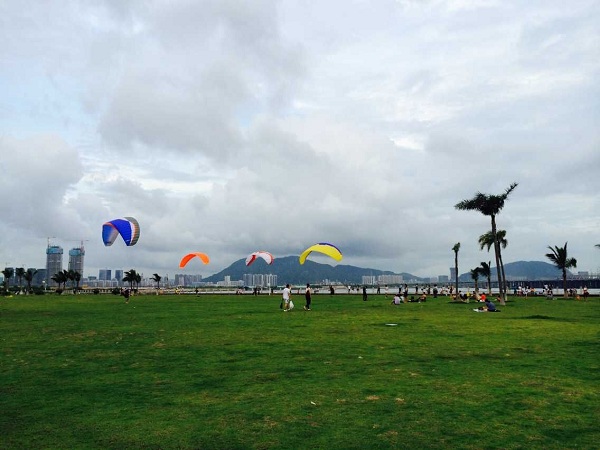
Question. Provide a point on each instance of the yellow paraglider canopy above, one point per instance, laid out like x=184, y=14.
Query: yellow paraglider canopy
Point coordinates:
x=322, y=247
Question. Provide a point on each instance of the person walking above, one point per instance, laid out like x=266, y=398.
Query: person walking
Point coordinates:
x=125, y=293
x=364, y=293
x=307, y=296
x=286, y=297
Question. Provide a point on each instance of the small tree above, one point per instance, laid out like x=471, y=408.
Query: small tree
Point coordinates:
x=20, y=273
x=131, y=276
x=29, y=278
x=455, y=249
x=76, y=279
x=487, y=240
x=60, y=278
x=486, y=270
x=562, y=261
x=475, y=276
x=156, y=278
x=8, y=273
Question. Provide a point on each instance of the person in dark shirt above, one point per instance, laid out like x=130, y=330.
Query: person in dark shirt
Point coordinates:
x=489, y=306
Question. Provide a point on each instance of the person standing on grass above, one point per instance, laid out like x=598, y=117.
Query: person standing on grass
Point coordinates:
x=125, y=293
x=287, y=295
x=307, y=296
x=364, y=293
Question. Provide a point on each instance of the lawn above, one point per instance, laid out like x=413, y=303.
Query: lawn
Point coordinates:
x=235, y=372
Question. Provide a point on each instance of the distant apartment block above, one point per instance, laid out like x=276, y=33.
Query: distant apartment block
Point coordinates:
x=259, y=280
x=76, y=259
x=54, y=263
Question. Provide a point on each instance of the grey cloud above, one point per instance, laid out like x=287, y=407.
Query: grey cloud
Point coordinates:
x=227, y=128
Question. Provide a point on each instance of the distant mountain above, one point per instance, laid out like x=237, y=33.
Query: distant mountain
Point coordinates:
x=525, y=270
x=289, y=270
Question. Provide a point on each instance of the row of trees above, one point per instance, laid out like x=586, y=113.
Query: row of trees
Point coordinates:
x=65, y=276
x=21, y=274
x=130, y=276
x=491, y=205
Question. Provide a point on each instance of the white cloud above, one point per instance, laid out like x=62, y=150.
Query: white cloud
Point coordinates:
x=227, y=127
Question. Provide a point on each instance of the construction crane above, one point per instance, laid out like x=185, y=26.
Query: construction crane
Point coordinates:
x=81, y=241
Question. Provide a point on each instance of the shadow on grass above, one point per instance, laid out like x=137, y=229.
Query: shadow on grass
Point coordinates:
x=543, y=317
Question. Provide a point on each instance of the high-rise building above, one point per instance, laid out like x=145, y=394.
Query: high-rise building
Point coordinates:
x=119, y=275
x=259, y=280
x=389, y=279
x=39, y=278
x=104, y=274
x=452, y=273
x=53, y=263
x=76, y=259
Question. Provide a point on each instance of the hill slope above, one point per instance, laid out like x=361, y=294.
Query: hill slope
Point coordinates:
x=289, y=270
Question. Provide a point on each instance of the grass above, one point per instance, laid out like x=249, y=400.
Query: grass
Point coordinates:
x=224, y=372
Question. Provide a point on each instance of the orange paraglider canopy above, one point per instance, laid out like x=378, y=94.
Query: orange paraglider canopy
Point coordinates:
x=204, y=257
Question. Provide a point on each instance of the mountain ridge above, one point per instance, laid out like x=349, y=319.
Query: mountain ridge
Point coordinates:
x=289, y=270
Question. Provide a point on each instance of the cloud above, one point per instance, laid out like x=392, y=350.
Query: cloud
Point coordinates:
x=227, y=127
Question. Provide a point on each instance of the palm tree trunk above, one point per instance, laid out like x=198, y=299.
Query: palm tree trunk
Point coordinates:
x=503, y=276
x=565, y=283
x=456, y=273
x=497, y=254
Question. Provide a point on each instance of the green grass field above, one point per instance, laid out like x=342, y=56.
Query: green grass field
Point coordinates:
x=230, y=372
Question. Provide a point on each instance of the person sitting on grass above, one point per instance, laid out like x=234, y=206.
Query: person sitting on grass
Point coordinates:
x=396, y=300
x=489, y=306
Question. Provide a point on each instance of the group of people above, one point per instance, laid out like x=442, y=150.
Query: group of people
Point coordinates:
x=400, y=297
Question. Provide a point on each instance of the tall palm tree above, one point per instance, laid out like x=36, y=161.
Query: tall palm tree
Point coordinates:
x=485, y=269
x=490, y=205
x=8, y=273
x=20, y=273
x=29, y=278
x=475, y=276
x=455, y=249
x=561, y=260
x=156, y=278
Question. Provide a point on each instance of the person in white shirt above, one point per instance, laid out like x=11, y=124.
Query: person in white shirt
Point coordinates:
x=287, y=295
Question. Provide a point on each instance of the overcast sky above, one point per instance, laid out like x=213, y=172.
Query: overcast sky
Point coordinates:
x=231, y=126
